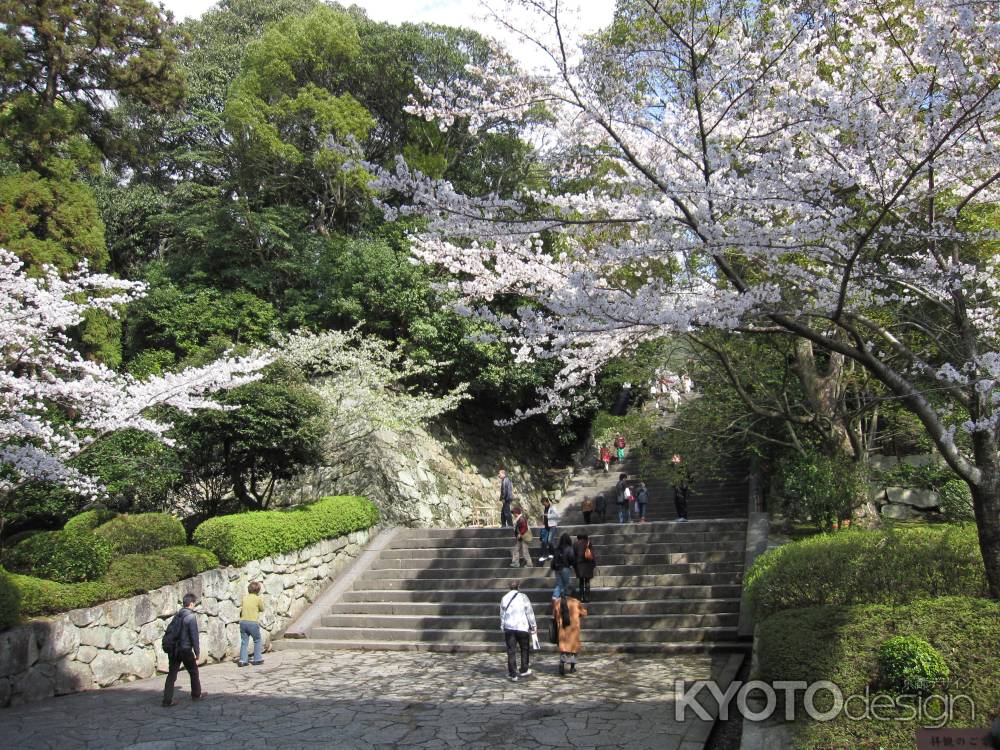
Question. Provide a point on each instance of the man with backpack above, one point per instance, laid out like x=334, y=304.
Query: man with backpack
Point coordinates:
x=520, y=556
x=624, y=497
x=180, y=643
x=517, y=621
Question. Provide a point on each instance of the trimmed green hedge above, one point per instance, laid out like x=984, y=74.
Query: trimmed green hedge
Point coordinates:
x=66, y=556
x=841, y=644
x=89, y=519
x=240, y=538
x=127, y=576
x=909, y=664
x=861, y=567
x=10, y=600
x=142, y=532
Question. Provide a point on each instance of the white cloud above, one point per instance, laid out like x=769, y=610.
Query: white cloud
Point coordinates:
x=589, y=16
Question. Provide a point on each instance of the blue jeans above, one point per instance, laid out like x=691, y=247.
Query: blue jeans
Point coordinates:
x=547, y=538
x=642, y=510
x=250, y=629
x=563, y=582
x=623, y=514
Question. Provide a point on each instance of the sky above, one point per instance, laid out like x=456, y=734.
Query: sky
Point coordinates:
x=592, y=14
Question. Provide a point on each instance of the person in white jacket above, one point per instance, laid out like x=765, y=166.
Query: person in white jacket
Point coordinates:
x=517, y=621
x=550, y=529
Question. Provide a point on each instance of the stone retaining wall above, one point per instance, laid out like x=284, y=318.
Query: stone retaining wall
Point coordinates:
x=120, y=640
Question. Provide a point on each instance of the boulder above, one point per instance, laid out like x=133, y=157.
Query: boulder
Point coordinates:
x=916, y=498
x=86, y=654
x=214, y=643
x=899, y=512
x=123, y=639
x=33, y=685
x=117, y=613
x=84, y=617
x=213, y=584
x=141, y=662
x=228, y=612
x=143, y=611
x=109, y=667
x=152, y=633
x=98, y=636
x=72, y=677
x=18, y=651
x=56, y=638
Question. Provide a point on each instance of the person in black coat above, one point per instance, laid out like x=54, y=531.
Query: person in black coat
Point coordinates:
x=183, y=648
x=586, y=564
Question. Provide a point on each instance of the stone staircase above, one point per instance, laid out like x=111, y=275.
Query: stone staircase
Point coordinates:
x=661, y=587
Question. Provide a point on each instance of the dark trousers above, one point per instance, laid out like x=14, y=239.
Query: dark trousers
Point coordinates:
x=586, y=516
x=506, y=517
x=517, y=639
x=681, y=500
x=187, y=658
x=584, y=589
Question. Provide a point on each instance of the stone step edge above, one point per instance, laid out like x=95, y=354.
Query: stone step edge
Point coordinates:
x=677, y=647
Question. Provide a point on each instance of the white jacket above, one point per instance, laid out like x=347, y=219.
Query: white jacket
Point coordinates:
x=516, y=613
x=552, y=514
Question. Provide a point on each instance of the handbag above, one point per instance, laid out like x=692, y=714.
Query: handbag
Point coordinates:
x=553, y=631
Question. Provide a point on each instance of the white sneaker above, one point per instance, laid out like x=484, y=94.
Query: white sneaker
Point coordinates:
x=525, y=673
x=515, y=565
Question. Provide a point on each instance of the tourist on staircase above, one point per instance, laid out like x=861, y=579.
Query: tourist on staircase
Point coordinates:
x=567, y=612
x=506, y=496
x=520, y=556
x=606, y=457
x=586, y=564
x=517, y=621
x=550, y=526
x=562, y=565
x=620, y=447
x=624, y=497
x=587, y=509
x=641, y=501
x=601, y=507
x=682, y=482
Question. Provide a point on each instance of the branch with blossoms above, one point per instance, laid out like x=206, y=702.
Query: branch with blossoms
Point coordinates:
x=54, y=403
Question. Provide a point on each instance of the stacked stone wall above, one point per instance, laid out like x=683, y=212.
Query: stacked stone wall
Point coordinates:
x=119, y=641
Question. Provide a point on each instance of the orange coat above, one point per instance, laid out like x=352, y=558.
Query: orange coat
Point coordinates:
x=569, y=636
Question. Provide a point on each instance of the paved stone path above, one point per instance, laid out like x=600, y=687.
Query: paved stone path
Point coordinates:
x=376, y=700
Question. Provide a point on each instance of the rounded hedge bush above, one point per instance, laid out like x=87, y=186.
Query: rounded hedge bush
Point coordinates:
x=142, y=532
x=10, y=601
x=868, y=567
x=909, y=664
x=65, y=556
x=237, y=539
x=89, y=519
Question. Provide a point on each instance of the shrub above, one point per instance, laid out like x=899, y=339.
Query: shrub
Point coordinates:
x=10, y=601
x=128, y=575
x=142, y=532
x=956, y=500
x=841, y=644
x=858, y=567
x=89, y=519
x=819, y=489
x=65, y=556
x=242, y=537
x=908, y=664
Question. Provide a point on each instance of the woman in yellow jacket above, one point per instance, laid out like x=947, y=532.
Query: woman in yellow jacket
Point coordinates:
x=569, y=635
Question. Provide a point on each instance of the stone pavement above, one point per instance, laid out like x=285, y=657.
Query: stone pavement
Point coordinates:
x=375, y=700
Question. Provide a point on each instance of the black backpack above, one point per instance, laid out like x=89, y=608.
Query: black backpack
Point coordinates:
x=171, y=642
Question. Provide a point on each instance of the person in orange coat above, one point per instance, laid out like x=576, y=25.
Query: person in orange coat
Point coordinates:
x=569, y=635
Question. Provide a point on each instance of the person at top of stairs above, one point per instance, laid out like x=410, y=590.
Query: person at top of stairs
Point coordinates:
x=623, y=496
x=550, y=527
x=682, y=482
x=620, y=447
x=521, y=554
x=641, y=500
x=506, y=497
x=606, y=457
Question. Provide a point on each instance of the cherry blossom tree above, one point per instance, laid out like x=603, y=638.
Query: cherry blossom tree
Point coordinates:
x=53, y=402
x=827, y=169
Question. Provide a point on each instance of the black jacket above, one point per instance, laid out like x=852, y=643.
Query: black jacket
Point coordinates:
x=189, y=631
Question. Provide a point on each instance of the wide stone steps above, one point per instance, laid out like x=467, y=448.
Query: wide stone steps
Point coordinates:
x=489, y=609
x=543, y=595
x=659, y=588
x=489, y=621
x=491, y=635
